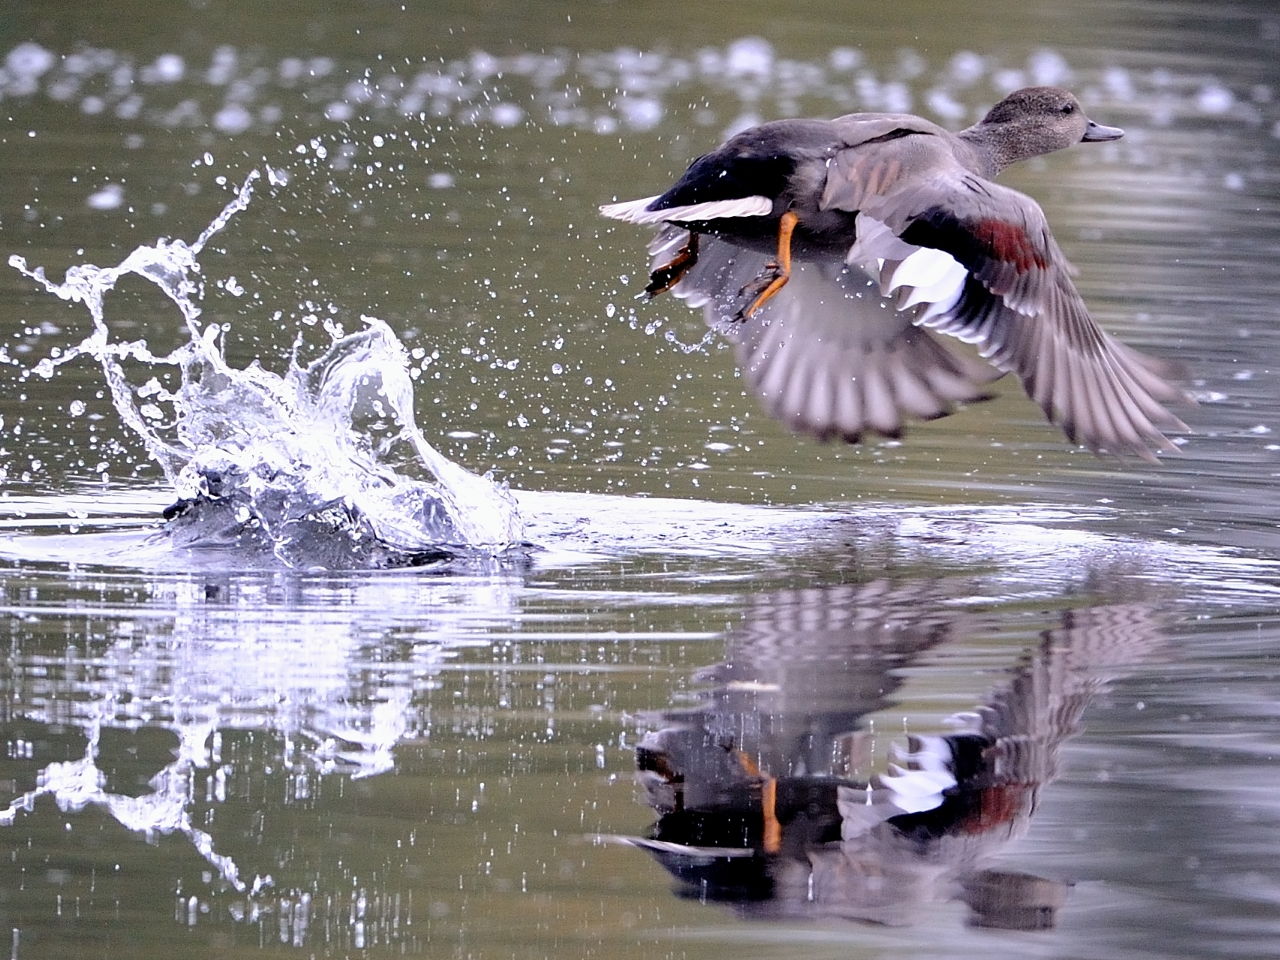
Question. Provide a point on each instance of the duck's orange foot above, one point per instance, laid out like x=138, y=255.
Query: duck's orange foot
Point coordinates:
x=771, y=832
x=667, y=275
x=769, y=281
x=775, y=274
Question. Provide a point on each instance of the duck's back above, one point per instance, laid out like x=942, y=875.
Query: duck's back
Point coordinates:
x=856, y=129
x=786, y=160
x=811, y=138
x=756, y=162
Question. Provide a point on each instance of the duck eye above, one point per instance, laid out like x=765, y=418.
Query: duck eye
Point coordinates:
x=1069, y=108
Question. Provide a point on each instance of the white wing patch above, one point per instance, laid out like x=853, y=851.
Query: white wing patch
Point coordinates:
x=932, y=276
x=917, y=780
x=634, y=211
x=935, y=278
x=875, y=244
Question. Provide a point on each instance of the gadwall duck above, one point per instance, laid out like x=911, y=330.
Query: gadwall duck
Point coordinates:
x=830, y=248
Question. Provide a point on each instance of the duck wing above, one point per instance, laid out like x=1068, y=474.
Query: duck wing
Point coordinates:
x=825, y=356
x=1012, y=294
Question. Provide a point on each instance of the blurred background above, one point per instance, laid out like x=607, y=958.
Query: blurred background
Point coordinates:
x=444, y=163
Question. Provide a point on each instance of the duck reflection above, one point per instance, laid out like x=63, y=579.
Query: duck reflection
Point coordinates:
x=269, y=686
x=768, y=793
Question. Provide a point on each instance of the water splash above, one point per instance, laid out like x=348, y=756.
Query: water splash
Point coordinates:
x=76, y=784
x=300, y=463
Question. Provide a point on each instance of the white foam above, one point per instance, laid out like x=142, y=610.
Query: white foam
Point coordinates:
x=26, y=64
x=233, y=118
x=167, y=68
x=109, y=197
x=749, y=57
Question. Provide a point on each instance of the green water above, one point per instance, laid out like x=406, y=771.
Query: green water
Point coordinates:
x=269, y=762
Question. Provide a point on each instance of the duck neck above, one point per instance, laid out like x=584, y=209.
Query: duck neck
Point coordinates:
x=991, y=152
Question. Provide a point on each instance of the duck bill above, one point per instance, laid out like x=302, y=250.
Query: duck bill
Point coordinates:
x=1096, y=131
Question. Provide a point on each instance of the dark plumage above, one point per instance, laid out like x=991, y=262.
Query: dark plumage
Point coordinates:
x=831, y=248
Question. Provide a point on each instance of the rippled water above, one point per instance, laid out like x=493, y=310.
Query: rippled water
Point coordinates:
x=206, y=751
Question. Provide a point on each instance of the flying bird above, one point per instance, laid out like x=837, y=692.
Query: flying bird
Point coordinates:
x=833, y=251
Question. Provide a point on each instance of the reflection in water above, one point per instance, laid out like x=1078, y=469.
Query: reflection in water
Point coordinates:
x=767, y=793
x=338, y=763
x=260, y=697
x=76, y=784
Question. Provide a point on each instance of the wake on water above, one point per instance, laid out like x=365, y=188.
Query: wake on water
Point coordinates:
x=298, y=464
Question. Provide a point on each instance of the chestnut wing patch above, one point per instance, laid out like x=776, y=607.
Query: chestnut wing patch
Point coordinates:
x=975, y=242
x=1010, y=243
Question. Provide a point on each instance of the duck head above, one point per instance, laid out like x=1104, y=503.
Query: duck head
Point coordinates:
x=1031, y=122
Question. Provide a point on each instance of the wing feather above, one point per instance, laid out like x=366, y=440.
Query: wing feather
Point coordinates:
x=1015, y=300
x=826, y=356
x=639, y=211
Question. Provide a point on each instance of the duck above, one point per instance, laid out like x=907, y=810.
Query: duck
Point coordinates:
x=833, y=253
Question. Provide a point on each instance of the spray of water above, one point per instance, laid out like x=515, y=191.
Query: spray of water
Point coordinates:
x=299, y=463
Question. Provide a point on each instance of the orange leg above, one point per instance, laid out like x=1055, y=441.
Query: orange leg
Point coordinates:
x=748, y=765
x=772, y=841
x=667, y=275
x=775, y=274
x=769, y=803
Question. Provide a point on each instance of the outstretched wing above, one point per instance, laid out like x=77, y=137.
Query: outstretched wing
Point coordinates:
x=1013, y=296
x=826, y=356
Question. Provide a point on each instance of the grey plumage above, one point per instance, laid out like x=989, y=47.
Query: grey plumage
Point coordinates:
x=899, y=231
